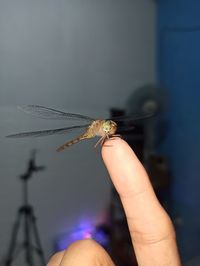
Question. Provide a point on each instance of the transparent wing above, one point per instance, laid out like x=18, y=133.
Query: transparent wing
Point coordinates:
x=132, y=118
x=47, y=132
x=49, y=113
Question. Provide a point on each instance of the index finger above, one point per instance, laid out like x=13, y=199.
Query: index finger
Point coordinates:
x=151, y=229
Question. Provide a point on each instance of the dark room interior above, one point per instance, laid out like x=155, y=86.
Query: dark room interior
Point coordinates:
x=134, y=62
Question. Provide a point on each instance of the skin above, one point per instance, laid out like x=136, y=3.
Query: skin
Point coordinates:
x=152, y=233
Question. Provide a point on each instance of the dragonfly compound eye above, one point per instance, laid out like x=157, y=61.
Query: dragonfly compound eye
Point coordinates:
x=106, y=126
x=109, y=127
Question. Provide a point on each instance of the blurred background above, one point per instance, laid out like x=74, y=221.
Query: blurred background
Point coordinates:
x=101, y=59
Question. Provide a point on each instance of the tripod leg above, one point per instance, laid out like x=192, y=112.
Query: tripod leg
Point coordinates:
x=12, y=247
x=27, y=237
x=37, y=240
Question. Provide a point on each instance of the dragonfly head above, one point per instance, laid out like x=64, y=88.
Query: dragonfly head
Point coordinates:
x=109, y=127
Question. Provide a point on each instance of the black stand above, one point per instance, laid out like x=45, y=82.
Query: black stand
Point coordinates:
x=26, y=218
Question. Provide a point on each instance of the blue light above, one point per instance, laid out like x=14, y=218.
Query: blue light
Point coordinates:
x=101, y=237
x=79, y=233
x=99, y=234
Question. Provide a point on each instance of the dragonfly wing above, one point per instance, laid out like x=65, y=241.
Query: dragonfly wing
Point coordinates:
x=47, y=132
x=49, y=113
x=133, y=117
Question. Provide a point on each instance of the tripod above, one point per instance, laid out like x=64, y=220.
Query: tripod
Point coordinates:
x=27, y=219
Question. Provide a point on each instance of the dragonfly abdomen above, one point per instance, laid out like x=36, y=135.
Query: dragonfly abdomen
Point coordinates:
x=87, y=135
x=71, y=142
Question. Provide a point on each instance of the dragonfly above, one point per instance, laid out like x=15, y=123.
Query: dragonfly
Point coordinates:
x=103, y=128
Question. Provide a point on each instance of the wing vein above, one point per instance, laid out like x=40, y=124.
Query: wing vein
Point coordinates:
x=49, y=113
x=47, y=132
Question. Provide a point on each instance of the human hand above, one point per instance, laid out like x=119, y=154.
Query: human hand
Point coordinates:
x=150, y=227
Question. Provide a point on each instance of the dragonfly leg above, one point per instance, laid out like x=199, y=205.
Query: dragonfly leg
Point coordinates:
x=103, y=138
x=101, y=141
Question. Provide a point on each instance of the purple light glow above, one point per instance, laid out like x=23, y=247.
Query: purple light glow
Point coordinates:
x=87, y=232
x=83, y=231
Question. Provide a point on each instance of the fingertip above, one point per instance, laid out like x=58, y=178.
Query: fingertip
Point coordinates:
x=116, y=152
x=126, y=171
x=86, y=252
x=114, y=146
x=56, y=259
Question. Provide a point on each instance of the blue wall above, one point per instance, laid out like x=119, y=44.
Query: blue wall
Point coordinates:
x=178, y=68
